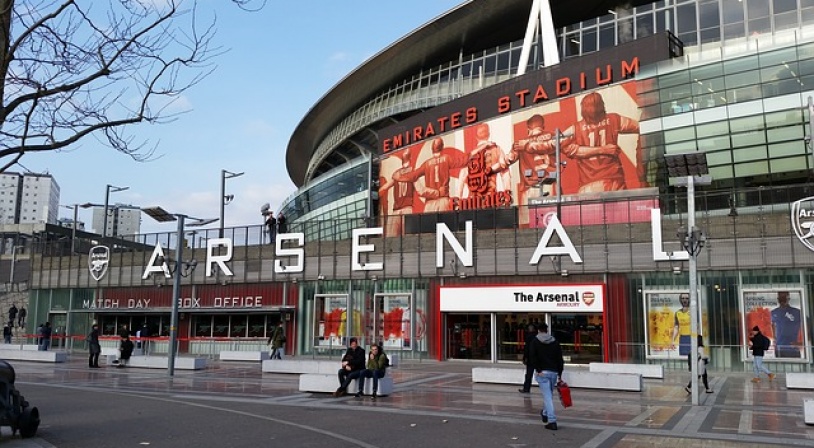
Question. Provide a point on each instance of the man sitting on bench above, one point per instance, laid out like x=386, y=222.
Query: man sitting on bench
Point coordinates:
x=352, y=365
x=376, y=367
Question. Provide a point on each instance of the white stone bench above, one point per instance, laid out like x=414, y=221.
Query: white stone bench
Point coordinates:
x=162, y=362
x=31, y=355
x=30, y=347
x=301, y=366
x=645, y=370
x=326, y=383
x=800, y=380
x=808, y=411
x=249, y=355
x=575, y=378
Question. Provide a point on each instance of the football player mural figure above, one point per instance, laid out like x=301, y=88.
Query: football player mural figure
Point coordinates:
x=596, y=146
x=478, y=178
x=402, y=196
x=535, y=153
x=436, y=174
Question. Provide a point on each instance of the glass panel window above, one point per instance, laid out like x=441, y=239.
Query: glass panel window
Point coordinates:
x=708, y=14
x=748, y=154
x=785, y=21
x=202, y=326
x=794, y=148
x=220, y=326
x=607, y=37
x=257, y=326
x=748, y=139
x=644, y=25
x=239, y=327
x=686, y=19
x=751, y=169
x=711, y=129
x=589, y=44
x=781, y=6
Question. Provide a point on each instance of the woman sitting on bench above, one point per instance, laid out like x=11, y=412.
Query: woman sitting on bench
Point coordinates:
x=376, y=367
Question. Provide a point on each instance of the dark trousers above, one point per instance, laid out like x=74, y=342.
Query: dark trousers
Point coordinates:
x=368, y=373
x=527, y=379
x=704, y=379
x=93, y=360
x=345, y=377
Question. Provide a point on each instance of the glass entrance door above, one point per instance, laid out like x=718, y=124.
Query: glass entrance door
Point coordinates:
x=469, y=336
x=580, y=336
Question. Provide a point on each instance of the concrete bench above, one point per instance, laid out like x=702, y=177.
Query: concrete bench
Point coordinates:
x=808, y=411
x=301, y=366
x=31, y=355
x=325, y=383
x=249, y=355
x=645, y=370
x=162, y=362
x=582, y=379
x=800, y=380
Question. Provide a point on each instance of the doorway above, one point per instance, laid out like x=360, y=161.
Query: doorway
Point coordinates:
x=469, y=336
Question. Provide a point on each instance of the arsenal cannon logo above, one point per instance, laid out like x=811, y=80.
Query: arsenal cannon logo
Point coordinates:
x=98, y=260
x=802, y=220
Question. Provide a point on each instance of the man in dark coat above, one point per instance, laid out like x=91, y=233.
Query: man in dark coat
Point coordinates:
x=531, y=335
x=94, y=348
x=353, y=363
x=12, y=315
x=546, y=358
x=759, y=345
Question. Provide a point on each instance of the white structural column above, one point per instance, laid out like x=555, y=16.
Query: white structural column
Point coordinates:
x=540, y=15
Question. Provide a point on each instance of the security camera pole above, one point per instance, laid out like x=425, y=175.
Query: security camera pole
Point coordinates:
x=223, y=201
x=691, y=170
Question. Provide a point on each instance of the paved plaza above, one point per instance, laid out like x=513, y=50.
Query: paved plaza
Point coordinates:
x=434, y=404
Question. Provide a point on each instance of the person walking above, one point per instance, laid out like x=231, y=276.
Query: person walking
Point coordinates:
x=45, y=338
x=21, y=317
x=759, y=344
x=703, y=360
x=531, y=335
x=7, y=334
x=277, y=341
x=94, y=348
x=352, y=365
x=12, y=315
x=546, y=358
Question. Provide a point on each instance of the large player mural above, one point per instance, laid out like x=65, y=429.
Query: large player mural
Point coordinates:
x=511, y=161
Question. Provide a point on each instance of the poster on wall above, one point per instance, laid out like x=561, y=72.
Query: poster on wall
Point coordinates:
x=332, y=321
x=667, y=325
x=511, y=161
x=396, y=316
x=780, y=314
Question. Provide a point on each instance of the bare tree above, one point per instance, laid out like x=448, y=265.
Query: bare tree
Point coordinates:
x=74, y=69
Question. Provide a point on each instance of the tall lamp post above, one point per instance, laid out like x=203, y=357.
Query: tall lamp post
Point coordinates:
x=180, y=268
x=110, y=189
x=691, y=170
x=224, y=199
x=75, y=208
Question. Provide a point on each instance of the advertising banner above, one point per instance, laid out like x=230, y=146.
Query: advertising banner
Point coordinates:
x=511, y=161
x=667, y=326
x=780, y=314
x=396, y=321
x=332, y=320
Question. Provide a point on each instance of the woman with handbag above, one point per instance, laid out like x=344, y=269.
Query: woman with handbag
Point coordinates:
x=703, y=360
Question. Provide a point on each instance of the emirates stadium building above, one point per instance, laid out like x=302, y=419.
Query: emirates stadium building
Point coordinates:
x=630, y=173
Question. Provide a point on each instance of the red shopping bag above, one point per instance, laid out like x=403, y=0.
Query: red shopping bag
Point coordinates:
x=565, y=394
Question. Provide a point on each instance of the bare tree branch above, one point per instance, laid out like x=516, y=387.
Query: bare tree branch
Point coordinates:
x=75, y=69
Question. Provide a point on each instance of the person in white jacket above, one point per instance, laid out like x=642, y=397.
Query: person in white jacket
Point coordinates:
x=703, y=360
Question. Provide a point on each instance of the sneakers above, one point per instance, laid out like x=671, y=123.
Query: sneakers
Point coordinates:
x=771, y=376
x=687, y=389
x=543, y=416
x=524, y=391
x=709, y=391
x=552, y=426
x=755, y=380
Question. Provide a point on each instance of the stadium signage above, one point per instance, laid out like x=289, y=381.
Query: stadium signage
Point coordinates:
x=547, y=84
x=294, y=252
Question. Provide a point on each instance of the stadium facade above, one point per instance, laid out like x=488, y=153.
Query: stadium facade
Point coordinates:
x=505, y=164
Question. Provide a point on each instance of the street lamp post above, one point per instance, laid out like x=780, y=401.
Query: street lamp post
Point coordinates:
x=108, y=190
x=181, y=268
x=13, y=262
x=224, y=199
x=691, y=169
x=75, y=208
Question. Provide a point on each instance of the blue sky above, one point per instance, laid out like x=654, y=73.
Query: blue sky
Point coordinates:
x=280, y=61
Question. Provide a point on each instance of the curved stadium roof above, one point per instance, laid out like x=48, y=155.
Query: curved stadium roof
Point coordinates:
x=472, y=26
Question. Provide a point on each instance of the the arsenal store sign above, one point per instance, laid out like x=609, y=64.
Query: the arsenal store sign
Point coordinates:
x=563, y=298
